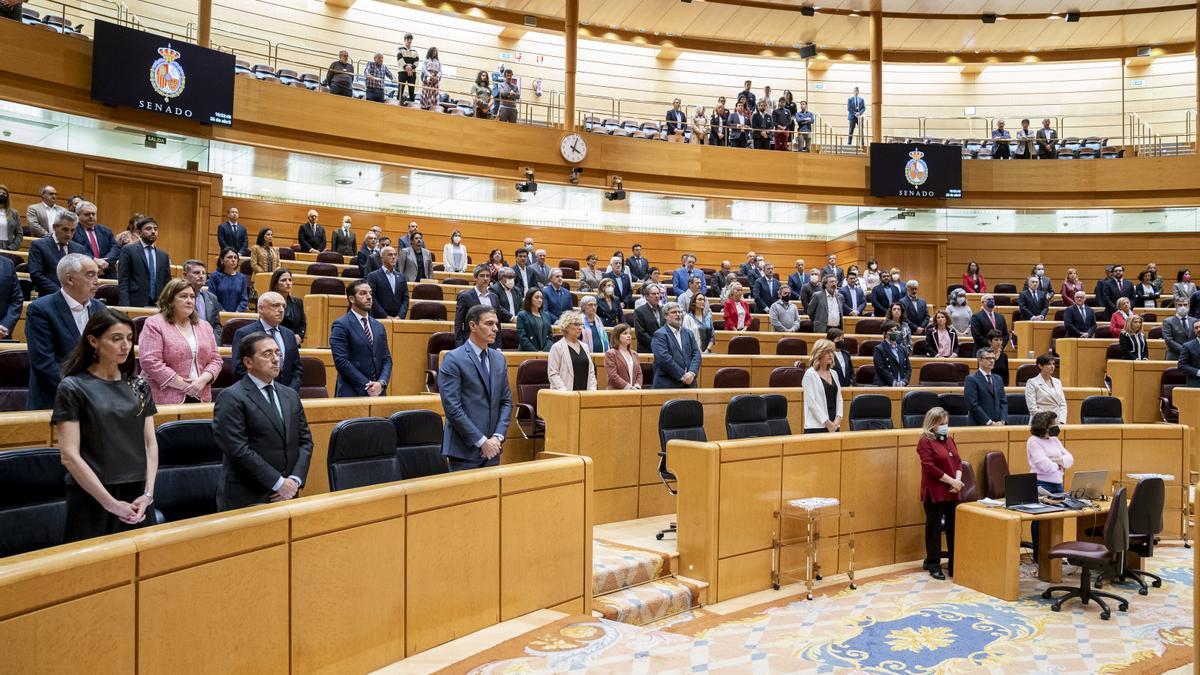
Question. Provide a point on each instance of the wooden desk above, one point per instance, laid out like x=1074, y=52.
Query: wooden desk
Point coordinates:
x=1085, y=360
x=987, y=540
x=1139, y=384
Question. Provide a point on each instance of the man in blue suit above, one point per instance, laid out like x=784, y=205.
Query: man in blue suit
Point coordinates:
x=1080, y=319
x=477, y=402
x=892, y=365
x=797, y=279
x=271, y=306
x=97, y=240
x=984, y=392
x=639, y=267
x=556, y=297
x=766, y=289
x=622, y=283
x=1189, y=357
x=44, y=253
x=389, y=288
x=680, y=277
x=359, y=346
x=231, y=233
x=887, y=292
x=676, y=354
x=854, y=299
x=11, y=298
x=54, y=323
x=481, y=294
x=855, y=108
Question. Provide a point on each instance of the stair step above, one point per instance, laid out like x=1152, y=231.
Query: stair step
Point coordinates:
x=617, y=566
x=651, y=601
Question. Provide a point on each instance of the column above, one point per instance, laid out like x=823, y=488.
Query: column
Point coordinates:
x=571, y=33
x=876, y=76
x=204, y=23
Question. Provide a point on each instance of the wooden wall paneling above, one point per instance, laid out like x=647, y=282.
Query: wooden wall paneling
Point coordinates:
x=697, y=538
x=541, y=561
x=919, y=257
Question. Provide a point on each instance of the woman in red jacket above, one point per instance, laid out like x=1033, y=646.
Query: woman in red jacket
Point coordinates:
x=737, y=311
x=941, y=484
x=973, y=281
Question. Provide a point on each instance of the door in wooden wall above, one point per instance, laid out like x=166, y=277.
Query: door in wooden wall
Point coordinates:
x=916, y=260
x=173, y=206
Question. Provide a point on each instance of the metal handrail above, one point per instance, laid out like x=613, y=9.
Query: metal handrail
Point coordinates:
x=1189, y=120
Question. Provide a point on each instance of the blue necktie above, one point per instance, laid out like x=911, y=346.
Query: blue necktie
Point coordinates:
x=487, y=375
x=150, y=266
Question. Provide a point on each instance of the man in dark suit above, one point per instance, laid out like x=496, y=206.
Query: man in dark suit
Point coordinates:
x=481, y=294
x=54, y=324
x=406, y=240
x=745, y=93
x=797, y=279
x=985, y=320
x=1189, y=358
x=892, y=365
x=637, y=265
x=367, y=259
x=359, y=346
x=887, y=292
x=525, y=276
x=812, y=287
x=1045, y=138
x=984, y=393
x=856, y=107
x=389, y=288
x=344, y=239
x=1117, y=287
x=676, y=120
x=751, y=262
x=415, y=262
x=854, y=299
x=508, y=300
x=831, y=267
x=738, y=127
x=262, y=431
x=1033, y=302
x=622, y=284
x=1177, y=330
x=648, y=318
x=676, y=354
x=44, y=253
x=97, y=240
x=142, y=269
x=232, y=233
x=208, y=308
x=11, y=299
x=270, y=316
x=762, y=124
x=311, y=235
x=1079, y=319
x=766, y=289
x=916, y=310
x=476, y=399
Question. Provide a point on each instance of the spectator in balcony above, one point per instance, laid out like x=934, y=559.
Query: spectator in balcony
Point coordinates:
x=340, y=76
x=761, y=124
x=1000, y=135
x=432, y=65
x=700, y=126
x=676, y=122
x=293, y=307
x=10, y=223
x=533, y=324
x=407, y=58
x=589, y=276
x=11, y=9
x=717, y=123
x=454, y=254
x=1184, y=287
x=767, y=98
x=1025, y=145
x=1071, y=286
x=1133, y=341
x=429, y=90
x=748, y=96
x=481, y=95
x=783, y=125
x=376, y=74
x=737, y=125
x=856, y=107
x=1046, y=138
x=804, y=123
x=1144, y=295
x=229, y=285
x=509, y=94
x=264, y=257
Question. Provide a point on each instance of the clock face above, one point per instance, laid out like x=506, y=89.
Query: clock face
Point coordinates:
x=573, y=148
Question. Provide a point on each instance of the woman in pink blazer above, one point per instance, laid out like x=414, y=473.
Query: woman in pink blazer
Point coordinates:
x=177, y=351
x=621, y=362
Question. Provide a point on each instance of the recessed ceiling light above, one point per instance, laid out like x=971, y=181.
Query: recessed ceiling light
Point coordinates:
x=519, y=200
x=343, y=181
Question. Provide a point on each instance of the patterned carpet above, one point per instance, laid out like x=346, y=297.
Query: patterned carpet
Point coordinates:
x=900, y=623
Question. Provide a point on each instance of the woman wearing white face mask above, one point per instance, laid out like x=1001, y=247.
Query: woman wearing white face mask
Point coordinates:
x=608, y=305
x=960, y=313
x=454, y=254
x=941, y=488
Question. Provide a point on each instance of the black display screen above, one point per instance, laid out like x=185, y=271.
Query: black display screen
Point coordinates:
x=155, y=73
x=916, y=170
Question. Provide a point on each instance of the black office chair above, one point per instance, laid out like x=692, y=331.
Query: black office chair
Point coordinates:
x=777, y=414
x=33, y=506
x=870, y=412
x=362, y=452
x=1101, y=410
x=956, y=407
x=1107, y=558
x=1018, y=410
x=681, y=419
x=1145, y=523
x=746, y=417
x=419, y=443
x=913, y=407
x=189, y=471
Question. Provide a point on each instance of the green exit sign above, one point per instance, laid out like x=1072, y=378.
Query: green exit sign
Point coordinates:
x=1137, y=83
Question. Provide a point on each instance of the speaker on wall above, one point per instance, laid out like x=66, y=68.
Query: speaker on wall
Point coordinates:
x=808, y=51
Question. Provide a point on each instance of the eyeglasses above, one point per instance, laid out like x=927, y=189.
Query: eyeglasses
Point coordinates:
x=988, y=358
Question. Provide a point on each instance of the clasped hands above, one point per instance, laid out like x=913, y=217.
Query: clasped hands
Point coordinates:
x=288, y=490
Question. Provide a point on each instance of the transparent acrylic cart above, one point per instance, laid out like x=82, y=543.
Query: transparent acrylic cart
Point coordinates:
x=810, y=513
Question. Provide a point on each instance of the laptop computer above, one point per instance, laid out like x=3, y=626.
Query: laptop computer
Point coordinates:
x=1089, y=484
x=1021, y=494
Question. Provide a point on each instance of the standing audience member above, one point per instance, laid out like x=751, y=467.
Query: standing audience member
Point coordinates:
x=454, y=254
x=525, y=276
x=473, y=385
x=1045, y=285
x=389, y=288
x=375, y=75
x=700, y=126
x=716, y=124
x=264, y=257
x=367, y=258
x=481, y=96
x=676, y=354
x=416, y=262
x=1176, y=330
x=766, y=289
x=97, y=240
x=783, y=124
x=810, y=289
x=176, y=350
x=11, y=233
x=1121, y=316
x=569, y=366
x=509, y=95
x=232, y=234
x=54, y=324
x=827, y=307
x=1046, y=138
x=431, y=76
x=1189, y=358
x=941, y=488
x=1001, y=137
x=556, y=296
x=960, y=313
x=621, y=364
x=1144, y=294
x=344, y=239
x=594, y=337
x=270, y=321
x=916, y=310
x=293, y=308
x=996, y=344
x=638, y=266
x=129, y=235
x=1044, y=391
x=854, y=299
x=897, y=315
x=1116, y=287
x=359, y=346
x=941, y=341
x=738, y=125
x=676, y=122
x=533, y=324
x=872, y=277
x=1024, y=147
x=892, y=365
x=229, y=285
x=11, y=299
x=698, y=320
x=761, y=123
x=104, y=418
x=1184, y=286
x=831, y=269
x=1133, y=341
x=886, y=293
x=986, y=320
x=1071, y=285
x=208, y=308
x=685, y=298
x=984, y=393
x=784, y=316
x=1080, y=319
x=736, y=310
x=589, y=276
x=608, y=305
x=622, y=283
x=843, y=365
x=45, y=252
x=973, y=280
x=311, y=235
x=804, y=122
x=855, y=109
x=822, y=391
x=262, y=431
x=406, y=59
x=539, y=263
x=796, y=280
x=481, y=294
x=143, y=269
x=1047, y=457
x=339, y=77
x=508, y=300
x=1033, y=302
x=41, y=216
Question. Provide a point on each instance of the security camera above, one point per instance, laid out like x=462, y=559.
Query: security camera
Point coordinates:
x=618, y=193
x=575, y=171
x=528, y=185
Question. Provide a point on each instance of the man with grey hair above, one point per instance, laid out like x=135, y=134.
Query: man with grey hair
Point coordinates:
x=312, y=234
x=42, y=215
x=389, y=287
x=54, y=323
x=916, y=310
x=208, y=308
x=676, y=353
x=648, y=317
x=376, y=73
x=270, y=315
x=785, y=318
x=508, y=298
x=46, y=252
x=539, y=263
x=557, y=298
x=97, y=240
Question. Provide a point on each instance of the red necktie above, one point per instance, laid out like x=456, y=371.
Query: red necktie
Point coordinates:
x=91, y=234
x=992, y=318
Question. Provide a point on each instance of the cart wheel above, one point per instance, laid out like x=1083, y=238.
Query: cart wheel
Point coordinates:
x=853, y=587
x=659, y=536
x=775, y=586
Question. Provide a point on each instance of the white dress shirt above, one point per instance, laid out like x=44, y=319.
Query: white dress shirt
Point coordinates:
x=259, y=385
x=78, y=312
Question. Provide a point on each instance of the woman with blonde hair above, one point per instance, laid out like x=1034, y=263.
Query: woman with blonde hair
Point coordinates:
x=569, y=366
x=822, y=391
x=941, y=487
x=177, y=351
x=700, y=126
x=1122, y=316
x=736, y=310
x=1070, y=286
x=1133, y=340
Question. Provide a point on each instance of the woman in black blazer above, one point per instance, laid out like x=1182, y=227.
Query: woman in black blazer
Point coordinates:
x=941, y=340
x=1133, y=341
x=843, y=365
x=293, y=308
x=608, y=305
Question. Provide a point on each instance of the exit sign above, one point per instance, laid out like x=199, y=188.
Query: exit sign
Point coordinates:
x=1137, y=83
x=818, y=86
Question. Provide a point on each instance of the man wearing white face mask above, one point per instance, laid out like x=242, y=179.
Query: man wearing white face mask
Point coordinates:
x=810, y=288
x=508, y=298
x=1177, y=330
